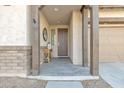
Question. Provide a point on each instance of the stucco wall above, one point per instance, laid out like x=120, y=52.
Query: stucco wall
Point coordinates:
x=43, y=24
x=111, y=39
x=13, y=25
x=76, y=37
x=15, y=40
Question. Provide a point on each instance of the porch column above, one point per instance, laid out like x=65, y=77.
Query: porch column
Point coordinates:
x=84, y=11
x=94, y=40
x=35, y=41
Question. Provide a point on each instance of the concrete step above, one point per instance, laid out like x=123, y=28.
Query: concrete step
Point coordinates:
x=78, y=78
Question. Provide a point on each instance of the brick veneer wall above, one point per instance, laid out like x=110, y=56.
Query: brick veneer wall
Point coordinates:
x=15, y=60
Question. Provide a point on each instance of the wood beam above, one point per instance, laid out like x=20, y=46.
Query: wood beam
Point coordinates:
x=35, y=41
x=94, y=40
x=84, y=12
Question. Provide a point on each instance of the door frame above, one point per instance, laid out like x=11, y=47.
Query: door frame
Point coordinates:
x=67, y=42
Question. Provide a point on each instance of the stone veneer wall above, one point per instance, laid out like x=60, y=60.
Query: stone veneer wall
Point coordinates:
x=15, y=60
x=41, y=54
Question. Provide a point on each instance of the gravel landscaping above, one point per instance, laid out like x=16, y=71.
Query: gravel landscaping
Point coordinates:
x=17, y=82
x=100, y=83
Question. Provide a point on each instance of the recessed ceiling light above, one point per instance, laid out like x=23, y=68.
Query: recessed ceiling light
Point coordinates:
x=56, y=9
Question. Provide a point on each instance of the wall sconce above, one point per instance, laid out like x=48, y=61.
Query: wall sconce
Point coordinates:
x=34, y=21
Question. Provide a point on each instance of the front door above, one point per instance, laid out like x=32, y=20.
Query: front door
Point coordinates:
x=62, y=42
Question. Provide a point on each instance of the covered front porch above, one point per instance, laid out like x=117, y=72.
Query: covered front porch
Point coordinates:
x=64, y=68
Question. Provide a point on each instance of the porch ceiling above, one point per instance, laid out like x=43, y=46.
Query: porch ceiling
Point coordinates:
x=59, y=14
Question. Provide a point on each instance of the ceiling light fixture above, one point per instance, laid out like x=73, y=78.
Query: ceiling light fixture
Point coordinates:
x=56, y=9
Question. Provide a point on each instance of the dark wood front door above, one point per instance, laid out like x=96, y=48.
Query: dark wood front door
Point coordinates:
x=62, y=42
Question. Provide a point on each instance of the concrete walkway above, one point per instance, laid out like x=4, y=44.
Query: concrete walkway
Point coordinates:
x=63, y=67
x=60, y=84
x=113, y=73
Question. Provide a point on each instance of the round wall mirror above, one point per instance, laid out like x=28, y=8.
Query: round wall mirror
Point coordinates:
x=45, y=35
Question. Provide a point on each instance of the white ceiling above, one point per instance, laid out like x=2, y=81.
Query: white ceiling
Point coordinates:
x=59, y=17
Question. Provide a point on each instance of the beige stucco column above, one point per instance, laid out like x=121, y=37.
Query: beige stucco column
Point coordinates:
x=94, y=40
x=35, y=40
x=84, y=12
